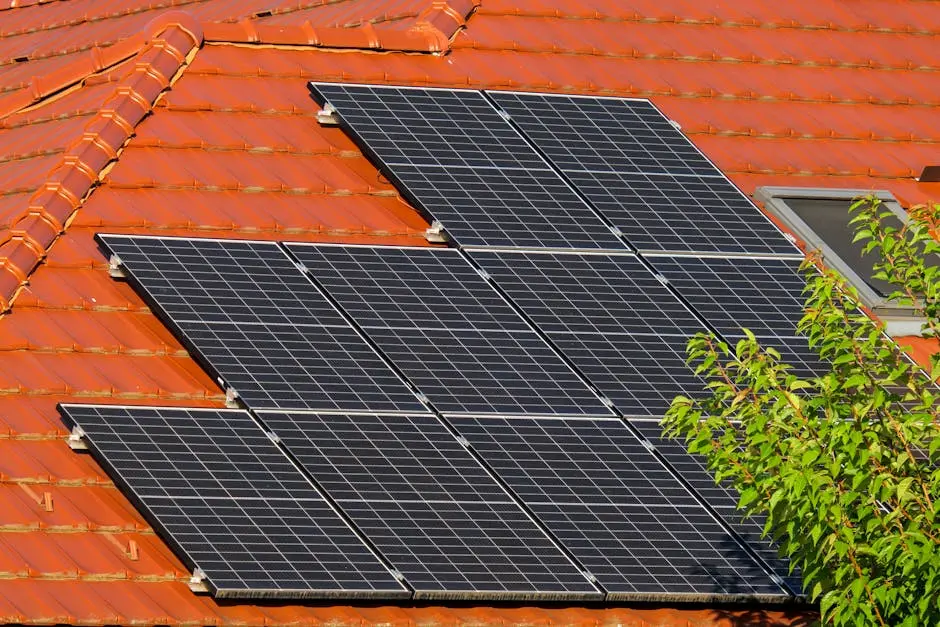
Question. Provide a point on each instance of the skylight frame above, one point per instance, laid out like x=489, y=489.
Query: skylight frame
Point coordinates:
x=900, y=319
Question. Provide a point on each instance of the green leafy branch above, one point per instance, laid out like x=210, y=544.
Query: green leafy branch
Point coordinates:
x=844, y=466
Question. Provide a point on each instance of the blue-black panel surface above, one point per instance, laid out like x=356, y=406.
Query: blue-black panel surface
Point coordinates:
x=231, y=504
x=457, y=341
x=430, y=507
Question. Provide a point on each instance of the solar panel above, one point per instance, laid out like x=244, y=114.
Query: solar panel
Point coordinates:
x=588, y=133
x=430, y=507
x=483, y=361
x=763, y=295
x=231, y=503
x=663, y=212
x=610, y=316
x=642, y=174
x=260, y=325
x=460, y=162
x=429, y=127
x=722, y=498
x=506, y=208
x=408, y=287
x=222, y=281
x=616, y=508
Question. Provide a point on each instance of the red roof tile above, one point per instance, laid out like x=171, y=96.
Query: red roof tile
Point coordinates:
x=821, y=93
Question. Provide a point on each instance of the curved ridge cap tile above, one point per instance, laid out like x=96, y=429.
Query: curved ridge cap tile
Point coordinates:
x=172, y=37
x=431, y=31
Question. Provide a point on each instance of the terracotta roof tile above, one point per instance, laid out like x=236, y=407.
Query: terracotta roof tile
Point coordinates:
x=820, y=93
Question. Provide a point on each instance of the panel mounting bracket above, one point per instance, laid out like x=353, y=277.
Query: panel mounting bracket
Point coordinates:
x=231, y=398
x=436, y=234
x=327, y=116
x=77, y=439
x=116, y=268
x=197, y=583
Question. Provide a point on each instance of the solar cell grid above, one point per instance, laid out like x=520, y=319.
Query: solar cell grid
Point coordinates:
x=429, y=127
x=587, y=133
x=459, y=344
x=429, y=506
x=408, y=287
x=640, y=374
x=231, y=504
x=367, y=457
x=222, y=281
x=637, y=550
x=663, y=212
x=490, y=551
x=610, y=316
x=468, y=371
x=572, y=461
x=763, y=295
x=587, y=293
x=619, y=511
x=506, y=208
x=301, y=367
x=722, y=498
x=260, y=325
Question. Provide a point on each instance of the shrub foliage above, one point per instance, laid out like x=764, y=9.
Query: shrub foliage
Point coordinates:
x=844, y=465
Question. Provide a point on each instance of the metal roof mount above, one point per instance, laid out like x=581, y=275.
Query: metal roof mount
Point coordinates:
x=197, y=583
x=114, y=268
x=76, y=439
x=327, y=116
x=436, y=234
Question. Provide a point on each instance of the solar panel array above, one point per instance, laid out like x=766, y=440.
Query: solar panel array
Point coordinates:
x=642, y=174
x=260, y=325
x=541, y=345
x=232, y=504
x=610, y=316
x=722, y=498
x=485, y=361
x=430, y=507
x=636, y=529
x=763, y=295
x=460, y=162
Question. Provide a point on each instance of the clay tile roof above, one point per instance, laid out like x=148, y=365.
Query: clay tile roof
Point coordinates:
x=192, y=117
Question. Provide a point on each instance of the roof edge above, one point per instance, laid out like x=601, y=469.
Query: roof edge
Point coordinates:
x=432, y=31
x=166, y=43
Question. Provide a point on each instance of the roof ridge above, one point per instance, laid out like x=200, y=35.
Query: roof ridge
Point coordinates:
x=432, y=31
x=162, y=52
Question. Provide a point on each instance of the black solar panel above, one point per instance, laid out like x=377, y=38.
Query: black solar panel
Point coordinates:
x=722, y=498
x=610, y=316
x=260, y=325
x=429, y=127
x=587, y=293
x=300, y=367
x=463, y=364
x=663, y=212
x=214, y=281
x=589, y=133
x=642, y=174
x=763, y=295
x=408, y=287
x=617, y=509
x=460, y=162
x=231, y=503
x=506, y=208
x=430, y=507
